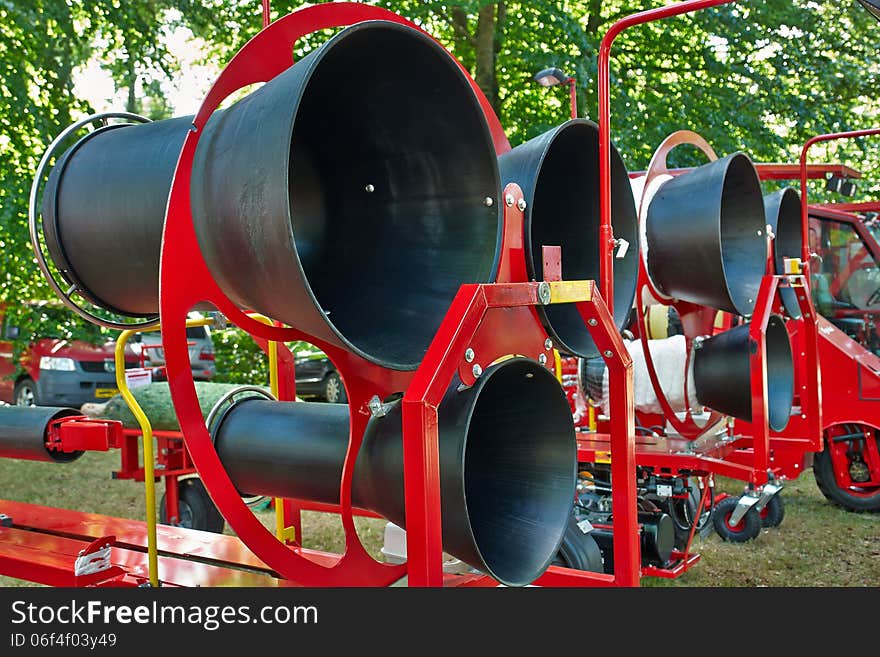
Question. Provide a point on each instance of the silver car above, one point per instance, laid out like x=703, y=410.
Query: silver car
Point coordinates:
x=201, y=353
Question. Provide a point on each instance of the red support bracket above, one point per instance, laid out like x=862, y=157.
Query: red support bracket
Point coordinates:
x=79, y=433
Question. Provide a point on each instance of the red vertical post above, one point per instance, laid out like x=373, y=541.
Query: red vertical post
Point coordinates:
x=573, y=97
x=421, y=465
x=606, y=234
x=805, y=213
x=627, y=549
x=266, y=16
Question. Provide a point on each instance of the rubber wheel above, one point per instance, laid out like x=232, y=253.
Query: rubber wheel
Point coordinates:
x=747, y=529
x=578, y=550
x=823, y=471
x=773, y=513
x=334, y=391
x=196, y=509
x=25, y=393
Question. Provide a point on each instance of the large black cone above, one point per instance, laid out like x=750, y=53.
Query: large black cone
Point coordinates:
x=558, y=172
x=783, y=216
x=706, y=239
x=507, y=464
x=722, y=375
x=346, y=197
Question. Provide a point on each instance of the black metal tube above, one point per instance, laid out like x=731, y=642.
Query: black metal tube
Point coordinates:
x=24, y=430
x=706, y=239
x=558, y=172
x=104, y=210
x=507, y=464
x=722, y=373
x=783, y=215
x=351, y=197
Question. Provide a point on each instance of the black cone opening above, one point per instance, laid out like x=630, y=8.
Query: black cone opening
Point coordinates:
x=743, y=250
x=783, y=214
x=390, y=163
x=519, y=471
x=559, y=173
x=706, y=240
x=780, y=374
x=722, y=376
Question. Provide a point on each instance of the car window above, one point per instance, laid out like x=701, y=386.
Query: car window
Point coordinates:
x=196, y=333
x=847, y=275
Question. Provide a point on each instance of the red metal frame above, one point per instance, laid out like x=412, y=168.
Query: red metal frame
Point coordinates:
x=474, y=308
x=805, y=213
x=606, y=234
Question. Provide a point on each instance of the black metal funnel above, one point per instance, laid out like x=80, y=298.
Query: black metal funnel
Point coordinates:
x=783, y=215
x=507, y=464
x=558, y=172
x=353, y=194
x=24, y=430
x=705, y=236
x=350, y=197
x=722, y=375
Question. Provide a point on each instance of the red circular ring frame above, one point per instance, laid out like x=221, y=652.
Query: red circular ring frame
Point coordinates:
x=261, y=59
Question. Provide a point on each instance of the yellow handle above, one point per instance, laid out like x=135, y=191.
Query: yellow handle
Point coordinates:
x=147, y=431
x=280, y=530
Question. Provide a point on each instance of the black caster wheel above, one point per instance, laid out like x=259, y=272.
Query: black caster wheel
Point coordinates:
x=745, y=530
x=773, y=512
x=196, y=510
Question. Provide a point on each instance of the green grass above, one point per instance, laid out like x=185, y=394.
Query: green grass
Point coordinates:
x=817, y=545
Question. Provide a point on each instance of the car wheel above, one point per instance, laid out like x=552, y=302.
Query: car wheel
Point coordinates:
x=334, y=391
x=25, y=393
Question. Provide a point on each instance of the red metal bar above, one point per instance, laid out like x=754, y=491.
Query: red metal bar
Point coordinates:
x=758, y=375
x=606, y=234
x=805, y=213
x=627, y=556
x=861, y=207
x=684, y=564
x=172, y=500
x=573, y=98
x=266, y=13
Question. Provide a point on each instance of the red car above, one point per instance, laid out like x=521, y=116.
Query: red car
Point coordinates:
x=56, y=372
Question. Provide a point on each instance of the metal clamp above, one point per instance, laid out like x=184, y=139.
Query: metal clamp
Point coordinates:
x=65, y=291
x=229, y=398
x=745, y=502
x=89, y=563
x=770, y=489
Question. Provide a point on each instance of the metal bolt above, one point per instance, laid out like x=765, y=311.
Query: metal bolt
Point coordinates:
x=477, y=370
x=544, y=293
x=548, y=344
x=760, y=232
x=751, y=301
x=542, y=358
x=377, y=408
x=370, y=188
x=608, y=353
x=469, y=355
x=592, y=322
x=488, y=202
x=521, y=204
x=508, y=200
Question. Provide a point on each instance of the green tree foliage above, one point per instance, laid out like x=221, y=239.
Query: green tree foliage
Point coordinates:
x=760, y=76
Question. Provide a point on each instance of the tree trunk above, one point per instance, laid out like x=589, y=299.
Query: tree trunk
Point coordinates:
x=484, y=45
